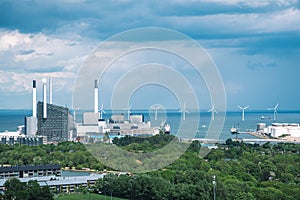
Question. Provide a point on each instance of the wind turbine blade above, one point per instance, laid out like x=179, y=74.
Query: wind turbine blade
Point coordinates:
x=153, y=107
x=246, y=107
x=276, y=106
x=240, y=107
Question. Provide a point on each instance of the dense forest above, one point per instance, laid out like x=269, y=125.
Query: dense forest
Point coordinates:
x=243, y=171
x=16, y=190
x=66, y=154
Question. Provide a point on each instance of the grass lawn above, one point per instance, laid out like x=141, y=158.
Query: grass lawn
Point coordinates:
x=85, y=197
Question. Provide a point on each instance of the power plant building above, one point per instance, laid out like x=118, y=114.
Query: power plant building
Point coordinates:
x=30, y=126
x=58, y=123
x=17, y=138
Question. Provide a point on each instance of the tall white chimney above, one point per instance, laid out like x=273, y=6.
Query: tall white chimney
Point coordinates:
x=34, y=98
x=96, y=107
x=50, y=91
x=45, y=98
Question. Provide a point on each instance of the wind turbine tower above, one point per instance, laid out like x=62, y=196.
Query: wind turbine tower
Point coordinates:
x=213, y=111
x=184, y=111
x=156, y=108
x=74, y=113
x=275, y=113
x=243, y=111
x=128, y=112
x=101, y=111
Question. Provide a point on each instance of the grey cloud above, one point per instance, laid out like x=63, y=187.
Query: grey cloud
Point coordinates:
x=26, y=52
x=259, y=64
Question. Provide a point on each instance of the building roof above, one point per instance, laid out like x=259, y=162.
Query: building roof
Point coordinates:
x=29, y=168
x=54, y=180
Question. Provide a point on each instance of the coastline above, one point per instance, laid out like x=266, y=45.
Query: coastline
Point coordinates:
x=286, y=139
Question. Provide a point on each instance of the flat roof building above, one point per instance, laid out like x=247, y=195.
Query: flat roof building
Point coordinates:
x=30, y=171
x=13, y=138
x=61, y=184
x=58, y=123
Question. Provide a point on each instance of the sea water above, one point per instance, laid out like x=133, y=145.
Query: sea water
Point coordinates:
x=10, y=119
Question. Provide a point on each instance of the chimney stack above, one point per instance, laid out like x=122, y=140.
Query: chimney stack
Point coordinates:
x=34, y=98
x=45, y=98
x=96, y=107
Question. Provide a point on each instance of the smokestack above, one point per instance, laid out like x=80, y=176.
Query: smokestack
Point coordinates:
x=96, y=97
x=34, y=98
x=50, y=91
x=45, y=98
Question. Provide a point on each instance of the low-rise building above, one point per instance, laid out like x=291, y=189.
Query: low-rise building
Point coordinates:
x=61, y=184
x=13, y=138
x=30, y=171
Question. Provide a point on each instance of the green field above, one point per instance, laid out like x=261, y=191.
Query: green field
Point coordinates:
x=85, y=197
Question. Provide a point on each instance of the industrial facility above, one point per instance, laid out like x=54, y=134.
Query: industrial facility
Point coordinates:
x=279, y=129
x=94, y=128
x=50, y=123
x=58, y=124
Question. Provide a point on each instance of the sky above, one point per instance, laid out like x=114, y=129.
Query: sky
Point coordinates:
x=254, y=44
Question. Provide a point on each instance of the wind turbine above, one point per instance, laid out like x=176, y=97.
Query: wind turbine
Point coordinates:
x=213, y=111
x=101, y=111
x=74, y=112
x=183, y=111
x=243, y=111
x=128, y=112
x=156, y=108
x=275, y=113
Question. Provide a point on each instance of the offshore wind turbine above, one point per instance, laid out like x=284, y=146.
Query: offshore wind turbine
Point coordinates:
x=213, y=111
x=156, y=108
x=128, y=112
x=74, y=112
x=243, y=111
x=275, y=113
x=184, y=111
x=101, y=111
